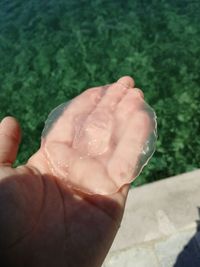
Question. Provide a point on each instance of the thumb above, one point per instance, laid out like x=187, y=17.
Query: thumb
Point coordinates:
x=10, y=137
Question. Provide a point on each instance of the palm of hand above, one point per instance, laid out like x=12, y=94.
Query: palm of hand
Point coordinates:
x=95, y=143
x=46, y=223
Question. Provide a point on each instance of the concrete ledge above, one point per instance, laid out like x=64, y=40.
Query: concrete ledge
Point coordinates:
x=157, y=213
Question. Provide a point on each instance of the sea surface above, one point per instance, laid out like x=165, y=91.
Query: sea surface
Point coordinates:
x=50, y=51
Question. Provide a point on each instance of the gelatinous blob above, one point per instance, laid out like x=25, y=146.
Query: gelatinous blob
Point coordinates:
x=101, y=139
x=53, y=116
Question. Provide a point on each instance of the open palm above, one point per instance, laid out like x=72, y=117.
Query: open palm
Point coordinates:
x=94, y=143
x=47, y=217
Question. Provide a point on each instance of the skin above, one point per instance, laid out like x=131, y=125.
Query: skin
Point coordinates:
x=43, y=222
x=98, y=129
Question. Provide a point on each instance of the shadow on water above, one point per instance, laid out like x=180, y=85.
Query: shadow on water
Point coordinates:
x=190, y=255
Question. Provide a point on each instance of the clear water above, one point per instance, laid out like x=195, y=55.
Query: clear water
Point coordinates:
x=51, y=51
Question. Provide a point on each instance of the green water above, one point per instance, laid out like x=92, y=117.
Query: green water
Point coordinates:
x=50, y=51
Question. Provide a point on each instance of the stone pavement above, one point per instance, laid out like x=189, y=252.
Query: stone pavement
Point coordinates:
x=159, y=221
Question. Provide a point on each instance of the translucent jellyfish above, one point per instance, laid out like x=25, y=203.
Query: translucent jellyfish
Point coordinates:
x=101, y=139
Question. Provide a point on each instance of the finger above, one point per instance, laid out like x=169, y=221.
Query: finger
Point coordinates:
x=129, y=104
x=112, y=97
x=94, y=133
x=62, y=129
x=129, y=149
x=127, y=81
x=115, y=93
x=10, y=137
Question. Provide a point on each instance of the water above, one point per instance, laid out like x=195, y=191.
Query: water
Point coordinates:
x=53, y=50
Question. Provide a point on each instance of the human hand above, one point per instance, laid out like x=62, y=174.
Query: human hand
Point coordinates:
x=45, y=222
